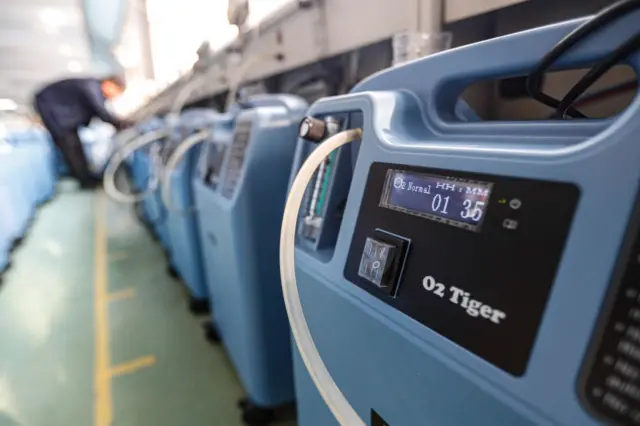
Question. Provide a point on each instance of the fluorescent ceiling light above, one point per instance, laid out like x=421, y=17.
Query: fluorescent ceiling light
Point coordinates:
x=74, y=66
x=55, y=18
x=65, y=49
x=52, y=17
x=50, y=29
x=7, y=104
x=128, y=57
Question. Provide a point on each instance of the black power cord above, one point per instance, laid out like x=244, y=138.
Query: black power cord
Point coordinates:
x=607, y=15
x=621, y=53
x=616, y=89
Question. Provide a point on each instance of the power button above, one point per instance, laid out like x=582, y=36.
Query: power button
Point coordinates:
x=382, y=260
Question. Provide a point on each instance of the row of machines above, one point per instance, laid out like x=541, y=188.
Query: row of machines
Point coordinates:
x=211, y=188
x=390, y=259
x=27, y=180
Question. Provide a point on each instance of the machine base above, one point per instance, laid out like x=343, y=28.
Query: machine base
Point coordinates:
x=149, y=229
x=254, y=415
x=173, y=272
x=5, y=270
x=145, y=222
x=48, y=200
x=16, y=243
x=211, y=333
x=31, y=222
x=198, y=306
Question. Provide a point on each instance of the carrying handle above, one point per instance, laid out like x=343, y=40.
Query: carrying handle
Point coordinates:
x=290, y=102
x=439, y=80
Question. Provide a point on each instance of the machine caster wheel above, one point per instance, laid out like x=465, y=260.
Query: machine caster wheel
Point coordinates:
x=253, y=415
x=172, y=272
x=16, y=243
x=5, y=270
x=243, y=403
x=48, y=200
x=211, y=334
x=150, y=230
x=198, y=306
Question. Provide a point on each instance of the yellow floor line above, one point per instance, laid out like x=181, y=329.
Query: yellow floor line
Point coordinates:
x=102, y=376
x=127, y=293
x=132, y=366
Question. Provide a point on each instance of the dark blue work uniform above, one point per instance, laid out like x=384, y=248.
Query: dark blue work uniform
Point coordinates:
x=64, y=107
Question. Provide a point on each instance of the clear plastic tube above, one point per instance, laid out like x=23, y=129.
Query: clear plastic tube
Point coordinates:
x=125, y=146
x=333, y=397
x=124, y=137
x=173, y=162
x=240, y=73
x=109, y=179
x=183, y=96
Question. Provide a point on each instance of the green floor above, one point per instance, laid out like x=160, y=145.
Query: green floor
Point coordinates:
x=142, y=360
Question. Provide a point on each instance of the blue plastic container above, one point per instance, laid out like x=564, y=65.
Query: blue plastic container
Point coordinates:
x=9, y=222
x=240, y=215
x=154, y=212
x=206, y=180
x=37, y=146
x=26, y=180
x=519, y=311
x=186, y=256
x=16, y=182
x=139, y=171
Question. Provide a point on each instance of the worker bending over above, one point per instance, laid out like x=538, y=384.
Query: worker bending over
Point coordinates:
x=67, y=105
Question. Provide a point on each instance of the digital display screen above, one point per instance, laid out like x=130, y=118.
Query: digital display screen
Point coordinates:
x=454, y=201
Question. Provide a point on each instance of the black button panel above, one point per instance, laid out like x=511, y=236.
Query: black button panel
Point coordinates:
x=612, y=384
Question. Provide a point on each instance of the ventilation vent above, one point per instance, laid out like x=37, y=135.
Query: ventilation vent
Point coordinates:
x=236, y=159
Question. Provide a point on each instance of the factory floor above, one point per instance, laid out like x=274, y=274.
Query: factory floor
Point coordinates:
x=94, y=332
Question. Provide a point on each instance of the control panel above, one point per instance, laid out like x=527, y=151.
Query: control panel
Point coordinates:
x=611, y=377
x=473, y=257
x=237, y=152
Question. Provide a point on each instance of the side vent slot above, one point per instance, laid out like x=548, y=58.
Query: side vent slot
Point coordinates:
x=213, y=166
x=236, y=158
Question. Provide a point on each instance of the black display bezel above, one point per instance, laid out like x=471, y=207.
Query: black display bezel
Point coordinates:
x=511, y=270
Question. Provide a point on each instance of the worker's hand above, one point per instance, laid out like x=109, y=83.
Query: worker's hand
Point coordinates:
x=125, y=124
